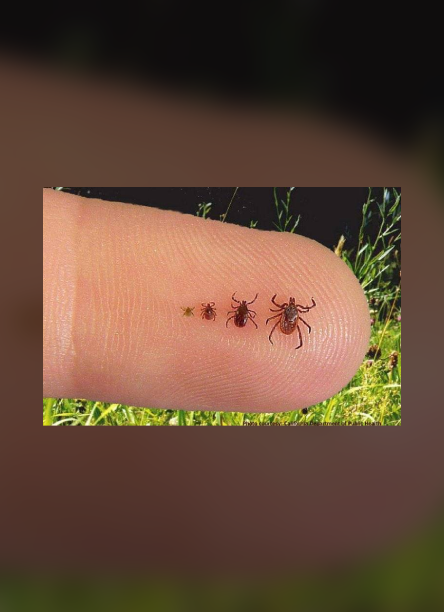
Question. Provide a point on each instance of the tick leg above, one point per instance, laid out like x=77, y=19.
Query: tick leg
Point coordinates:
x=275, y=310
x=226, y=324
x=252, y=311
x=276, y=324
x=273, y=317
x=275, y=303
x=251, y=319
x=300, y=337
x=254, y=299
x=305, y=308
x=234, y=299
x=305, y=323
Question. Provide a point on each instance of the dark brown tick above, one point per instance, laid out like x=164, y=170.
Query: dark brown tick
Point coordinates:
x=241, y=313
x=208, y=311
x=289, y=317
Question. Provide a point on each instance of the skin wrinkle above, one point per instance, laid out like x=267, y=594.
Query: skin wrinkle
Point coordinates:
x=133, y=303
x=244, y=389
x=131, y=300
x=59, y=266
x=292, y=338
x=238, y=383
x=138, y=267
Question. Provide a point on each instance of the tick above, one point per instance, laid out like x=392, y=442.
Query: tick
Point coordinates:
x=188, y=312
x=208, y=311
x=289, y=317
x=241, y=313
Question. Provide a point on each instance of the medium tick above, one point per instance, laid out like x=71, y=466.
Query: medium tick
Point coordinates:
x=188, y=312
x=208, y=311
x=289, y=317
x=241, y=313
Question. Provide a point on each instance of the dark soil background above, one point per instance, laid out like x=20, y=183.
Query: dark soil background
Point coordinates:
x=326, y=213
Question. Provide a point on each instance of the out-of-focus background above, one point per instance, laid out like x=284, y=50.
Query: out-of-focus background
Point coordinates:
x=408, y=578
x=311, y=59
x=313, y=55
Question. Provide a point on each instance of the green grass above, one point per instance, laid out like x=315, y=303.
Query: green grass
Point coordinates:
x=373, y=396
x=285, y=221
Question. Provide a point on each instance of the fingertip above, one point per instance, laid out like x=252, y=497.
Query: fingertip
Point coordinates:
x=137, y=348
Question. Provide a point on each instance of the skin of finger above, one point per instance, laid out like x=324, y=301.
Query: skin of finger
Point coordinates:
x=136, y=268
x=60, y=229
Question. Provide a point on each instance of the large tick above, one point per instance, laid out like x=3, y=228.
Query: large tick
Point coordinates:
x=208, y=311
x=289, y=317
x=241, y=313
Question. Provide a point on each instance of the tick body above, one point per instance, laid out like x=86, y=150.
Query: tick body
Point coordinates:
x=241, y=312
x=188, y=312
x=289, y=316
x=208, y=311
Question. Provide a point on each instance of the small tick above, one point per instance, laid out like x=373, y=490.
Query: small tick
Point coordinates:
x=188, y=312
x=208, y=311
x=289, y=317
x=241, y=313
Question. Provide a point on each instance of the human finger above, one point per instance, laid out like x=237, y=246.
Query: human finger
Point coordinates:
x=118, y=280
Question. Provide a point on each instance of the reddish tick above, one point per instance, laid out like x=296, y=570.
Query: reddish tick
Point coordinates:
x=208, y=311
x=241, y=313
x=289, y=317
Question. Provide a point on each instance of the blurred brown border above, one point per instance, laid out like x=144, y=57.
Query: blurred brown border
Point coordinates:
x=216, y=499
